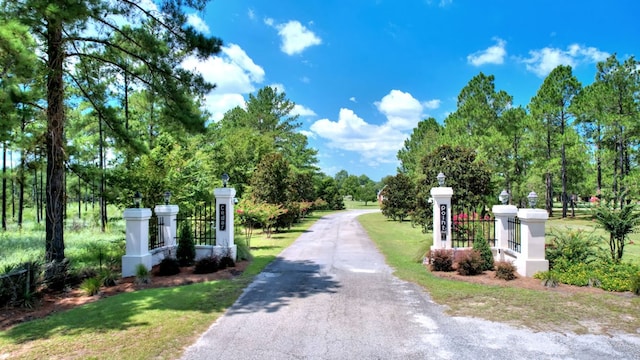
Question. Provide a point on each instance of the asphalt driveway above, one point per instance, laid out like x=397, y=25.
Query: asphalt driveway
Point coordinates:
x=330, y=295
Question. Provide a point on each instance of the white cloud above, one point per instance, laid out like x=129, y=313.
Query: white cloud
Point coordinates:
x=402, y=110
x=234, y=74
x=278, y=87
x=308, y=134
x=251, y=14
x=295, y=36
x=431, y=104
x=353, y=99
x=492, y=55
x=302, y=111
x=198, y=24
x=376, y=144
x=542, y=62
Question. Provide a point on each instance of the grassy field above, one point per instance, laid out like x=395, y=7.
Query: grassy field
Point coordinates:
x=146, y=324
x=538, y=310
x=351, y=205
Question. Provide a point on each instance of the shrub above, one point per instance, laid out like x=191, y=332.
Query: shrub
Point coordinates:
x=207, y=265
x=469, y=262
x=19, y=284
x=108, y=277
x=56, y=274
x=91, y=286
x=635, y=283
x=547, y=277
x=227, y=262
x=244, y=252
x=169, y=266
x=505, y=270
x=186, y=251
x=441, y=260
x=481, y=245
x=142, y=275
x=572, y=247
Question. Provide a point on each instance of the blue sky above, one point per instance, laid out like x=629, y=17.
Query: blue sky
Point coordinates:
x=364, y=73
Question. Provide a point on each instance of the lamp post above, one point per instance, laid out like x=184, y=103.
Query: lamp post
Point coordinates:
x=504, y=197
x=137, y=199
x=167, y=197
x=225, y=179
x=533, y=199
x=441, y=178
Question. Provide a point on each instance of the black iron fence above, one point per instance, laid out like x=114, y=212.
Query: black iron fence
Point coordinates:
x=202, y=223
x=513, y=227
x=467, y=226
x=156, y=232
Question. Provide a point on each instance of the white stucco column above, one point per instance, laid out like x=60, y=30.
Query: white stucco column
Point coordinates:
x=168, y=215
x=532, y=259
x=224, y=221
x=137, y=237
x=441, y=217
x=502, y=214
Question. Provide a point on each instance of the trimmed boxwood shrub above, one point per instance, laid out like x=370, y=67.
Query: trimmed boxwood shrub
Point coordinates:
x=168, y=266
x=186, y=251
x=207, y=265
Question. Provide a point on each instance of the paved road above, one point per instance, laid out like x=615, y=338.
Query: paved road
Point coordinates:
x=330, y=295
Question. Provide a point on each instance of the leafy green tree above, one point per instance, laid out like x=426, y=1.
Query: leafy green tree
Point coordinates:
x=551, y=110
x=156, y=44
x=271, y=182
x=422, y=141
x=327, y=190
x=398, y=197
x=619, y=223
x=368, y=192
x=469, y=177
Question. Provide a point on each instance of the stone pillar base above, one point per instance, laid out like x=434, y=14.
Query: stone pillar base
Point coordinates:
x=205, y=251
x=529, y=267
x=130, y=263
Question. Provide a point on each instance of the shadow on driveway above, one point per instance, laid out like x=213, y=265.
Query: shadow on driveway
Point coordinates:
x=282, y=281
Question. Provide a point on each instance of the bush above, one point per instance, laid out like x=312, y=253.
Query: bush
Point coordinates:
x=186, y=251
x=142, y=275
x=573, y=247
x=91, y=286
x=169, y=266
x=441, y=260
x=547, y=277
x=481, y=245
x=56, y=274
x=227, y=262
x=607, y=275
x=635, y=283
x=207, y=265
x=19, y=284
x=469, y=262
x=108, y=277
x=505, y=270
x=244, y=252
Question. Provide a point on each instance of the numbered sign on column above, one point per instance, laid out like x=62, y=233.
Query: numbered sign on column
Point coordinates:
x=223, y=217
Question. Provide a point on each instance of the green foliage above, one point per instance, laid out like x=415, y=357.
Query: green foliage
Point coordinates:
x=186, y=251
x=19, y=283
x=505, y=270
x=441, y=260
x=481, y=245
x=207, y=265
x=619, y=223
x=469, y=262
x=168, y=266
x=635, y=283
x=91, y=286
x=608, y=275
x=571, y=247
x=142, y=275
x=108, y=277
x=398, y=197
x=548, y=278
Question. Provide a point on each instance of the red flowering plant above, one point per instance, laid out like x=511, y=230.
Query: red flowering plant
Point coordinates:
x=469, y=226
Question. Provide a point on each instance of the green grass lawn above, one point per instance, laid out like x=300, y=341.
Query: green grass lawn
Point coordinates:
x=360, y=205
x=146, y=324
x=538, y=310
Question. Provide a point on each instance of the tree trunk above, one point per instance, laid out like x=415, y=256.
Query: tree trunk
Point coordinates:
x=54, y=245
x=4, y=185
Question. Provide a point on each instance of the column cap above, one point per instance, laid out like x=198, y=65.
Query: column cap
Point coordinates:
x=504, y=210
x=163, y=210
x=441, y=191
x=136, y=213
x=533, y=214
x=224, y=192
